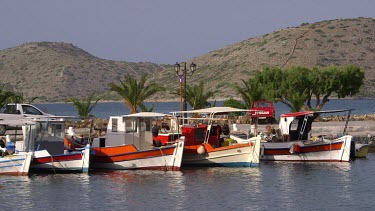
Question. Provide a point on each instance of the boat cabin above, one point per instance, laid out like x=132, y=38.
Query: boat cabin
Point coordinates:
x=297, y=125
x=196, y=134
x=49, y=135
x=136, y=129
x=37, y=134
x=209, y=132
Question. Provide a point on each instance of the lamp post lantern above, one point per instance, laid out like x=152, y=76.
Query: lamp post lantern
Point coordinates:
x=182, y=72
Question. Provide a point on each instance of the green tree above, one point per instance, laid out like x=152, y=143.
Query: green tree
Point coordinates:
x=234, y=104
x=294, y=88
x=250, y=91
x=84, y=106
x=299, y=85
x=197, y=97
x=296, y=101
x=343, y=81
x=134, y=92
x=20, y=98
x=4, y=95
x=145, y=109
x=270, y=80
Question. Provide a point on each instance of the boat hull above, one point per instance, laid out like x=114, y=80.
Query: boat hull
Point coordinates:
x=127, y=157
x=333, y=151
x=16, y=164
x=361, y=150
x=77, y=162
x=238, y=155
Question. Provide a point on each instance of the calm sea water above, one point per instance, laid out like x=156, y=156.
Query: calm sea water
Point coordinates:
x=104, y=110
x=272, y=186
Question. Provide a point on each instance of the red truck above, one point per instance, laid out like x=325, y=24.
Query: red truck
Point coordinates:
x=263, y=110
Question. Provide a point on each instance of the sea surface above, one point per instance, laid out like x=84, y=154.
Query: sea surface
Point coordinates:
x=104, y=110
x=272, y=186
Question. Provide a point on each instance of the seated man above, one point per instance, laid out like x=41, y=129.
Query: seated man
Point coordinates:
x=3, y=150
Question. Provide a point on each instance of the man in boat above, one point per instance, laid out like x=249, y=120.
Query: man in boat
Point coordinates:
x=155, y=133
x=3, y=149
x=223, y=132
x=78, y=139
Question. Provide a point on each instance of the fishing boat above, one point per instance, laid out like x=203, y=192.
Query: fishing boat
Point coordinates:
x=361, y=150
x=294, y=141
x=50, y=154
x=207, y=143
x=128, y=145
x=16, y=160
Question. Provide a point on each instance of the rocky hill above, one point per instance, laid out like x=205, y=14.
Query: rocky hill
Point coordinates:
x=333, y=42
x=55, y=71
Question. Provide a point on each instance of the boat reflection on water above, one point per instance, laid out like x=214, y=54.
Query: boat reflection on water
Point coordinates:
x=293, y=179
x=275, y=185
x=130, y=187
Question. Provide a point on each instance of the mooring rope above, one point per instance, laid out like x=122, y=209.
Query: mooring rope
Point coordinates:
x=165, y=161
x=53, y=167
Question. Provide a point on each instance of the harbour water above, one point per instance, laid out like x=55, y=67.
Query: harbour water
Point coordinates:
x=272, y=186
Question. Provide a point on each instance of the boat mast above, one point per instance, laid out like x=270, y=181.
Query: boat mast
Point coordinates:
x=347, y=121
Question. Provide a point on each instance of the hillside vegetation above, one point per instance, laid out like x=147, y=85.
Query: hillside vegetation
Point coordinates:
x=55, y=71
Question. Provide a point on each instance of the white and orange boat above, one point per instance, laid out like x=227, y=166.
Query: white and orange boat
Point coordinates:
x=204, y=143
x=128, y=145
x=295, y=142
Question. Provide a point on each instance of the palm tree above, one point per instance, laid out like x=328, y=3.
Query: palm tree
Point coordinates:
x=4, y=96
x=250, y=91
x=134, y=92
x=145, y=109
x=196, y=96
x=297, y=101
x=85, y=106
x=19, y=98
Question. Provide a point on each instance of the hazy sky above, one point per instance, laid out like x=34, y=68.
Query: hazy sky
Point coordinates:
x=161, y=31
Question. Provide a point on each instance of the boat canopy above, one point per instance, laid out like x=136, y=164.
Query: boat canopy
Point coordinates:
x=213, y=110
x=146, y=114
x=303, y=113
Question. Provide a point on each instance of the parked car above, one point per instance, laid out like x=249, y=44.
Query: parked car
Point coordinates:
x=263, y=110
x=16, y=111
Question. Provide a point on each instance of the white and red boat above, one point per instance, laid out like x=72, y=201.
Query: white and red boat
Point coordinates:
x=295, y=142
x=73, y=162
x=128, y=145
x=204, y=143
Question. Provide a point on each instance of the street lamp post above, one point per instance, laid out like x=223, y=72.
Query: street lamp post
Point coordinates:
x=182, y=72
